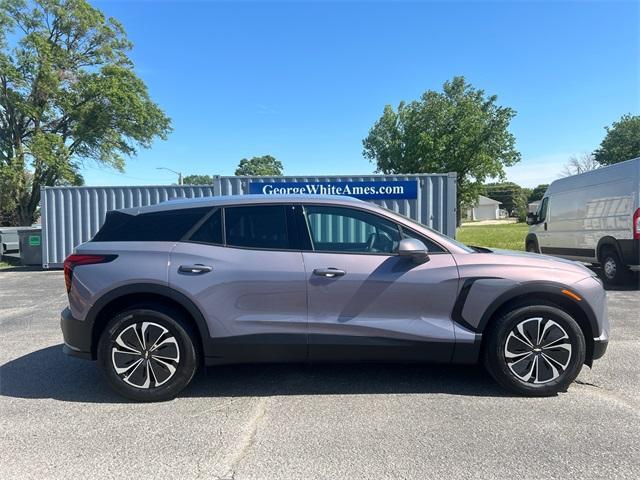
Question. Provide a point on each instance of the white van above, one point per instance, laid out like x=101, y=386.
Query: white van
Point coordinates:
x=593, y=217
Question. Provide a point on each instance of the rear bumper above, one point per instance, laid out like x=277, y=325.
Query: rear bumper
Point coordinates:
x=77, y=336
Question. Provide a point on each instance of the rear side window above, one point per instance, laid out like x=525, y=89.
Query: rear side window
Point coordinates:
x=210, y=231
x=262, y=226
x=164, y=226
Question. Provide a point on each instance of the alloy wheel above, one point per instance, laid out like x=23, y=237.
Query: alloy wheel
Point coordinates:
x=538, y=350
x=145, y=355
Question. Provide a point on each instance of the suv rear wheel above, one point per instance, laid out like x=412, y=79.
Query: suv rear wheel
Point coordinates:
x=535, y=350
x=147, y=354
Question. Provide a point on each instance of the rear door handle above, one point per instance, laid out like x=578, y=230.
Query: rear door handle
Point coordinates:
x=196, y=269
x=329, y=272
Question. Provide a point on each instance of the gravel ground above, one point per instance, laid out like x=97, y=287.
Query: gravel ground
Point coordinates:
x=58, y=418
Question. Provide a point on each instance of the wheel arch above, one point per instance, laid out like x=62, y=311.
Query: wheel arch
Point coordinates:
x=543, y=293
x=126, y=296
x=605, y=242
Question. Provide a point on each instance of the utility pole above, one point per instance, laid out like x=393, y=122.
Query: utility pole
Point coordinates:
x=172, y=171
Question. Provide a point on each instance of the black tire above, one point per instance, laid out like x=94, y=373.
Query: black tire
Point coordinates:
x=613, y=269
x=531, y=244
x=511, y=373
x=176, y=361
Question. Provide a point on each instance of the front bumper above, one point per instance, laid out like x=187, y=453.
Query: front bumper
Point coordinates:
x=600, y=345
x=77, y=336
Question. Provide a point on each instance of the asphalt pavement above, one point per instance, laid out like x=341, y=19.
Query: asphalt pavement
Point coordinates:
x=59, y=419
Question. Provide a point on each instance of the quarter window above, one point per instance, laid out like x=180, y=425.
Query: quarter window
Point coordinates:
x=162, y=226
x=336, y=229
x=257, y=227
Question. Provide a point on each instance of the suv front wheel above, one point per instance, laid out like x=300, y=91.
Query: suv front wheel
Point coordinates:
x=535, y=350
x=147, y=354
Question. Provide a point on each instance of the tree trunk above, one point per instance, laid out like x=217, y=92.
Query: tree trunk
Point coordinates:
x=25, y=213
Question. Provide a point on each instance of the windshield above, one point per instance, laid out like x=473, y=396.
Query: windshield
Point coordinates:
x=435, y=233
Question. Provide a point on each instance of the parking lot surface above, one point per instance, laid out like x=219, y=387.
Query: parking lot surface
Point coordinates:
x=59, y=419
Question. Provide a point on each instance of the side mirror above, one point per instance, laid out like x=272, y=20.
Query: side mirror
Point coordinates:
x=413, y=249
x=532, y=218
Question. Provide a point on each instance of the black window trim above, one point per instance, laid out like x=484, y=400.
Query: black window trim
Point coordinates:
x=297, y=244
x=401, y=227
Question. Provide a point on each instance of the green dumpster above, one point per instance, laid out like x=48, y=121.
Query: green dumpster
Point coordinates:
x=30, y=240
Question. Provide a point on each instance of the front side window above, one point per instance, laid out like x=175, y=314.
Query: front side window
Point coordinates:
x=261, y=226
x=432, y=247
x=338, y=229
x=542, y=214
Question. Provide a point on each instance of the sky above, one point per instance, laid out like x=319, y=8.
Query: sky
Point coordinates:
x=305, y=81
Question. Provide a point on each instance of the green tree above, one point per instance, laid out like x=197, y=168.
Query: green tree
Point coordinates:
x=509, y=194
x=264, y=165
x=197, y=180
x=68, y=94
x=458, y=130
x=538, y=192
x=622, y=141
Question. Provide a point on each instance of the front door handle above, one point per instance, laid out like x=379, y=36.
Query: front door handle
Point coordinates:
x=196, y=269
x=329, y=272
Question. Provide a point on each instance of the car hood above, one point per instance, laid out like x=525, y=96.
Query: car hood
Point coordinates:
x=544, y=261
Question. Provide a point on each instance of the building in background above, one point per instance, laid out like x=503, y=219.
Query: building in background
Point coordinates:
x=533, y=206
x=485, y=209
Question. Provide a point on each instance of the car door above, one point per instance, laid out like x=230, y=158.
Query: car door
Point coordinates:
x=367, y=303
x=249, y=282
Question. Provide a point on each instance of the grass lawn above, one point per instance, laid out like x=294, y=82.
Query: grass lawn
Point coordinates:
x=508, y=236
x=8, y=262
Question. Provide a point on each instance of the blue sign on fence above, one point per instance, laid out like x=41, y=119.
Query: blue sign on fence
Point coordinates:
x=371, y=190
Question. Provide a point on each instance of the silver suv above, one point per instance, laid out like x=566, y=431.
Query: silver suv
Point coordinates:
x=161, y=290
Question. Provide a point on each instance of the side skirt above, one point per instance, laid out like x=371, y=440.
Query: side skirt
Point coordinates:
x=285, y=348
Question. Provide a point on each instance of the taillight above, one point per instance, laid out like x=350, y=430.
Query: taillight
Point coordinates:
x=74, y=260
x=636, y=225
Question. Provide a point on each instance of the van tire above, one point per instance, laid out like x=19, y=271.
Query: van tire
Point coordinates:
x=531, y=245
x=612, y=267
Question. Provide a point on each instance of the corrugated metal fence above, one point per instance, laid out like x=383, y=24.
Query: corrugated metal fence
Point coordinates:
x=72, y=215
